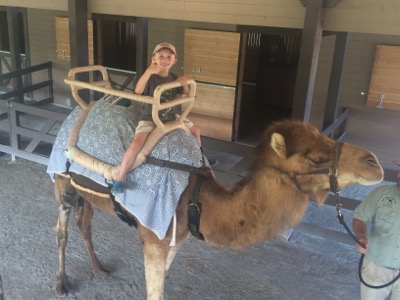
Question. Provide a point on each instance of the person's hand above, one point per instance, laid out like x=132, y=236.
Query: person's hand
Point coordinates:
x=362, y=249
x=153, y=69
x=182, y=80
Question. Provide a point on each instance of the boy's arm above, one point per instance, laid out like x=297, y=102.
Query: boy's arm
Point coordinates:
x=195, y=131
x=183, y=81
x=142, y=82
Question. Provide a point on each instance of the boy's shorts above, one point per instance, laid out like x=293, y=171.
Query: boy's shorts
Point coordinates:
x=148, y=126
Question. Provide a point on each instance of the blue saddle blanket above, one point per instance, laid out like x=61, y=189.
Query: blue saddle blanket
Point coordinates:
x=152, y=192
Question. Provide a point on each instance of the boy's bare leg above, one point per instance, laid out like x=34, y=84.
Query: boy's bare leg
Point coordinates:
x=129, y=157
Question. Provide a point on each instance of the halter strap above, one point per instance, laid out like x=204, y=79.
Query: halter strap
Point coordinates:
x=331, y=171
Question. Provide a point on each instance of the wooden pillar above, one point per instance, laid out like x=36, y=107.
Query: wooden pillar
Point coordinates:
x=335, y=79
x=141, y=33
x=308, y=60
x=15, y=47
x=78, y=36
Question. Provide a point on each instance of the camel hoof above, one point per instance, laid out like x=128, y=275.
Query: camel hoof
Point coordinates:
x=62, y=286
x=100, y=271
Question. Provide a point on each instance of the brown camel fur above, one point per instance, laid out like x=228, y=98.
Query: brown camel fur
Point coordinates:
x=257, y=208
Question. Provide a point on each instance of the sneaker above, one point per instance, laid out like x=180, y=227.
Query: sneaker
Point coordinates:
x=118, y=187
x=213, y=162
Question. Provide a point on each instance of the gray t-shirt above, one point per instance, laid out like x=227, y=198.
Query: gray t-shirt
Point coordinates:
x=167, y=95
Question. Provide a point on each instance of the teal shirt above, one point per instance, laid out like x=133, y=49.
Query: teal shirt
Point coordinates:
x=381, y=209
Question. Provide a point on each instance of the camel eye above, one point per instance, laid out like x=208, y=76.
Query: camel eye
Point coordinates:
x=318, y=160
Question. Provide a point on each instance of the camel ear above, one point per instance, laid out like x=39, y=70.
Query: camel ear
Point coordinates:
x=278, y=144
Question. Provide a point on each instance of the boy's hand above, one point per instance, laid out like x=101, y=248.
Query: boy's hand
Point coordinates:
x=153, y=68
x=183, y=81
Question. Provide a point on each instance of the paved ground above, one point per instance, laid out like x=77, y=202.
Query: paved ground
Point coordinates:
x=306, y=267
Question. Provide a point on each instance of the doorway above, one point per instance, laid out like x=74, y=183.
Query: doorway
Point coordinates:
x=269, y=68
x=115, y=42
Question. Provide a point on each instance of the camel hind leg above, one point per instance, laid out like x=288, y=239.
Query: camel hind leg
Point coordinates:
x=66, y=198
x=84, y=224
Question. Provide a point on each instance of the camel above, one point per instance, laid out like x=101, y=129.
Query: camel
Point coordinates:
x=293, y=164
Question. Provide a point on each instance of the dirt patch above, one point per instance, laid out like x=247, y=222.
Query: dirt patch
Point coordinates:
x=306, y=267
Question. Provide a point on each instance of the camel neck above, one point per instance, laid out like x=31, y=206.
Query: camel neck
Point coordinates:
x=253, y=211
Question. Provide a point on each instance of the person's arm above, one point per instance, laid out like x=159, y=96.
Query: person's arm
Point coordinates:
x=360, y=230
x=142, y=82
x=195, y=131
x=183, y=81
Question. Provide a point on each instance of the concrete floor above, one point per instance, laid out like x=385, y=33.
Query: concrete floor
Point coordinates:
x=305, y=267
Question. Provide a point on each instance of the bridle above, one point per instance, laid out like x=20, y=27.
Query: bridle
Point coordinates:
x=334, y=187
x=330, y=171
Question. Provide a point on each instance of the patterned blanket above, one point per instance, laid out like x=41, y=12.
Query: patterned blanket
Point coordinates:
x=152, y=192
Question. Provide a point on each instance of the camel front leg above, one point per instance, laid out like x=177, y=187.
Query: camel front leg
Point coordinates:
x=84, y=224
x=155, y=263
x=62, y=283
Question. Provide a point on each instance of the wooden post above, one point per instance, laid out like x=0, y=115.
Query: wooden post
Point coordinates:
x=308, y=61
x=15, y=48
x=335, y=79
x=141, y=33
x=78, y=36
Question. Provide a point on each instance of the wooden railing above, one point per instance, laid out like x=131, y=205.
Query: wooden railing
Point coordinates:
x=337, y=130
x=19, y=91
x=31, y=141
x=5, y=66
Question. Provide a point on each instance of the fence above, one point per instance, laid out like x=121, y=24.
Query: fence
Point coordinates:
x=29, y=126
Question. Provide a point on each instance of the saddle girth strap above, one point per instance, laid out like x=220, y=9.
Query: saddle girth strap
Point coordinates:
x=121, y=213
x=174, y=165
x=194, y=210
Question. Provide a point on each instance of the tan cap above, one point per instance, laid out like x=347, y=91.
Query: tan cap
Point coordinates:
x=164, y=45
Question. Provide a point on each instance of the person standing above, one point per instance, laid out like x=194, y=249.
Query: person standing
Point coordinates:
x=376, y=224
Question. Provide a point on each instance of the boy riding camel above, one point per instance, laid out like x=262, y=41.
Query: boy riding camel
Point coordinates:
x=164, y=57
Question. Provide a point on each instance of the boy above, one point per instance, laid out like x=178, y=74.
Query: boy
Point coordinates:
x=164, y=57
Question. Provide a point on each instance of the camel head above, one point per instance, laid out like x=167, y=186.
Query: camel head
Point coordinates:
x=304, y=157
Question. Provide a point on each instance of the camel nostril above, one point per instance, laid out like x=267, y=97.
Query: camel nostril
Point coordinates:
x=371, y=161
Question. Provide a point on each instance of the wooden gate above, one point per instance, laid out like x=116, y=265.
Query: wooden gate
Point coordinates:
x=28, y=126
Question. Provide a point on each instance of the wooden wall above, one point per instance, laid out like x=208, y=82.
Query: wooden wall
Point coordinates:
x=63, y=43
x=173, y=31
x=42, y=43
x=368, y=127
x=213, y=111
x=356, y=75
x=42, y=40
x=368, y=16
x=384, y=88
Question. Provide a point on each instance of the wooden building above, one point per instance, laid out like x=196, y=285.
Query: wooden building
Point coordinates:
x=255, y=61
